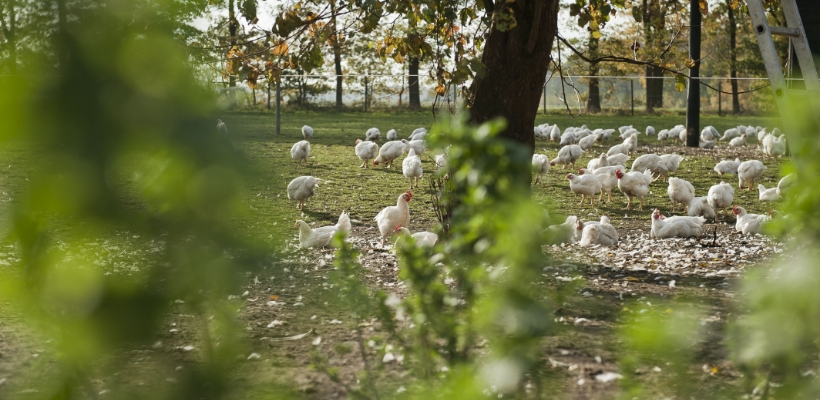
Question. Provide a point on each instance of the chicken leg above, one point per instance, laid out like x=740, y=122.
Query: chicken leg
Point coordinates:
x=640, y=207
x=628, y=202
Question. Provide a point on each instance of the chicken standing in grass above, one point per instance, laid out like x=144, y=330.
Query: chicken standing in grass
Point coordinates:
x=300, y=152
x=221, y=127
x=302, y=188
x=418, y=145
x=585, y=185
x=391, y=217
x=727, y=167
x=372, y=134
x=366, y=151
x=699, y=207
x=748, y=172
x=680, y=192
x=540, y=167
x=307, y=132
x=721, y=196
x=568, y=155
x=608, y=178
x=388, y=153
x=651, y=162
x=321, y=237
x=392, y=135
x=411, y=167
x=634, y=184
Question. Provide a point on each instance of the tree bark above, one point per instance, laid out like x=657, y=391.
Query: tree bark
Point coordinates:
x=232, y=28
x=337, y=60
x=733, y=58
x=516, y=62
x=594, y=99
x=413, y=84
x=654, y=81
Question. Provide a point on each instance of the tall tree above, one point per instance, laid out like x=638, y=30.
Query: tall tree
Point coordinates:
x=336, y=44
x=594, y=99
x=732, y=28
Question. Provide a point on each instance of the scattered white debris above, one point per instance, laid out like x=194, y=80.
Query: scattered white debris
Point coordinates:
x=275, y=323
x=254, y=356
x=608, y=377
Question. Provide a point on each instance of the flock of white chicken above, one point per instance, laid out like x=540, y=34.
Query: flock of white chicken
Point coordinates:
x=609, y=170
x=599, y=177
x=390, y=220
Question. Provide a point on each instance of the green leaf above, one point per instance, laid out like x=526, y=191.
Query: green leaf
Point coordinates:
x=680, y=82
x=596, y=34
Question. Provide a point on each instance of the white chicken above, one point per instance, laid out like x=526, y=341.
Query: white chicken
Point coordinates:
x=650, y=130
x=602, y=233
x=776, y=146
x=585, y=185
x=307, y=132
x=672, y=162
x=389, y=152
x=748, y=172
x=300, y=152
x=587, y=142
x=785, y=183
x=738, y=141
x=563, y=233
x=730, y=133
x=441, y=161
x=567, y=138
x=411, y=167
x=767, y=194
x=727, y=167
x=663, y=135
x=568, y=155
x=707, y=144
x=699, y=207
x=680, y=192
x=321, y=237
x=392, y=134
x=418, y=136
x=302, y=188
x=684, y=227
x=393, y=216
x=540, y=167
x=721, y=196
x=421, y=239
x=706, y=134
x=608, y=178
x=221, y=127
x=595, y=163
x=555, y=134
x=416, y=131
x=418, y=145
x=372, y=134
x=651, y=162
x=366, y=151
x=618, y=159
x=634, y=184
x=749, y=223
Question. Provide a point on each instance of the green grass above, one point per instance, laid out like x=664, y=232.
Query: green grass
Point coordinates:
x=363, y=193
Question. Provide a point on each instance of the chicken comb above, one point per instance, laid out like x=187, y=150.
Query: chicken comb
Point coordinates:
x=397, y=228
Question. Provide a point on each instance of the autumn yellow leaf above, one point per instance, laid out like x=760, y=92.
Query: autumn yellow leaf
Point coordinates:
x=280, y=49
x=274, y=297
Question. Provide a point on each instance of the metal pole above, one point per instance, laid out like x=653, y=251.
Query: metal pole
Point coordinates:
x=632, y=94
x=693, y=97
x=365, y=93
x=268, y=94
x=278, y=106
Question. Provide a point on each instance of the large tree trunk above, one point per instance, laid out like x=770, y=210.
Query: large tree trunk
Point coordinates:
x=337, y=60
x=594, y=100
x=733, y=58
x=517, y=61
x=232, y=29
x=654, y=75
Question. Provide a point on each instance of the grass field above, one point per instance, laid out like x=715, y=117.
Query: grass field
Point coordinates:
x=363, y=193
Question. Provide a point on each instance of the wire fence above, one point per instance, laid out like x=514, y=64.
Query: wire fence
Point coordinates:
x=618, y=94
